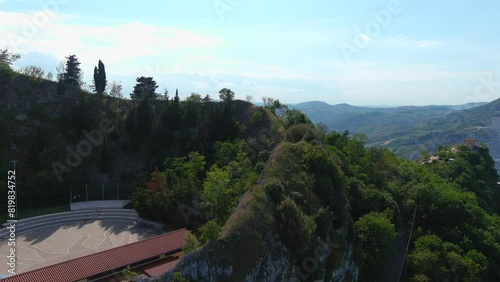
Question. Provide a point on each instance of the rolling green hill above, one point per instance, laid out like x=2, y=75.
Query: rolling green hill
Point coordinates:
x=482, y=123
x=410, y=130
x=266, y=194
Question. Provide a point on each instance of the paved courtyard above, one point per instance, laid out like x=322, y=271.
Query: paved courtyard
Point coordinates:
x=51, y=245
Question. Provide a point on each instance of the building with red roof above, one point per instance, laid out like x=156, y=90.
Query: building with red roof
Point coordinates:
x=156, y=254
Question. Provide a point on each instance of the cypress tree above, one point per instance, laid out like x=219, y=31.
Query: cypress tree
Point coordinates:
x=100, y=78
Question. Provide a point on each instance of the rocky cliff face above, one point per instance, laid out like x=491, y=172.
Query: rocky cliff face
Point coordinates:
x=263, y=256
x=275, y=264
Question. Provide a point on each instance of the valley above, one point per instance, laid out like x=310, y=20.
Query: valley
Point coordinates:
x=408, y=131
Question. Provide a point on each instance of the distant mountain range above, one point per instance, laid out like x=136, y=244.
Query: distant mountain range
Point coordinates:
x=409, y=130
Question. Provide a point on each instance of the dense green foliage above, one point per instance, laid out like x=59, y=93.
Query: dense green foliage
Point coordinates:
x=217, y=167
x=377, y=238
x=436, y=260
x=455, y=199
x=144, y=133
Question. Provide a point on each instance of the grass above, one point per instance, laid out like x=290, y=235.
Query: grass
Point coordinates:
x=36, y=212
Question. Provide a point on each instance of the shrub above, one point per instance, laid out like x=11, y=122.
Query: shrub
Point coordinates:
x=301, y=132
x=129, y=275
x=210, y=231
x=324, y=221
x=274, y=189
x=192, y=243
x=259, y=117
x=35, y=73
x=295, y=228
x=179, y=278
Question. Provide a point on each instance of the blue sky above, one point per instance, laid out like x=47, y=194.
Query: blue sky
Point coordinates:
x=358, y=52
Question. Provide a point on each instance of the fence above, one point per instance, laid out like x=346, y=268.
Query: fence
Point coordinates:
x=100, y=191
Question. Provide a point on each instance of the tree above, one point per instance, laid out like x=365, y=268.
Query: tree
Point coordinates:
x=216, y=192
x=210, y=231
x=443, y=261
x=192, y=243
x=268, y=102
x=275, y=106
x=226, y=95
x=192, y=109
x=207, y=98
x=376, y=239
x=426, y=256
x=145, y=88
x=279, y=109
x=157, y=183
x=295, y=116
x=116, y=89
x=321, y=127
x=61, y=69
x=33, y=71
x=100, y=78
x=165, y=95
x=6, y=58
x=259, y=117
x=72, y=75
x=174, y=115
x=291, y=225
x=249, y=98
x=476, y=263
x=194, y=97
x=176, y=97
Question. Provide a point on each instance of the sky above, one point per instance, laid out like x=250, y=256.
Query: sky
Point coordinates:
x=372, y=52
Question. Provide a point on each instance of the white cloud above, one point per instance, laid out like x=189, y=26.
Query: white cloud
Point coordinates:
x=249, y=84
x=295, y=90
x=226, y=84
x=201, y=85
x=368, y=71
x=57, y=35
x=430, y=44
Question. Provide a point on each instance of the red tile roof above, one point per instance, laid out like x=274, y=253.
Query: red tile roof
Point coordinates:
x=159, y=268
x=87, y=266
